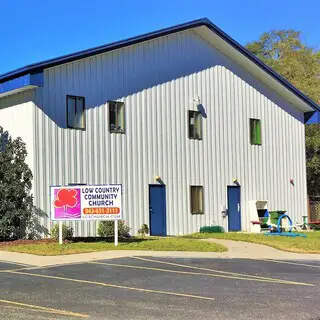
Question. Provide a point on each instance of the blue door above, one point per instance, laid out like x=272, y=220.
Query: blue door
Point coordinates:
x=234, y=209
x=157, y=209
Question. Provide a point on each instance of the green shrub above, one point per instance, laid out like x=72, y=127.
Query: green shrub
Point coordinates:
x=212, y=229
x=315, y=227
x=144, y=230
x=67, y=232
x=16, y=201
x=106, y=229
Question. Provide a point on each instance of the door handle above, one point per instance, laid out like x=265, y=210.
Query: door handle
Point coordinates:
x=238, y=207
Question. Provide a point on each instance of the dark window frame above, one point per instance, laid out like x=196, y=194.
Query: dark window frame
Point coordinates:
x=195, y=115
x=202, y=200
x=255, y=140
x=75, y=106
x=117, y=131
x=4, y=139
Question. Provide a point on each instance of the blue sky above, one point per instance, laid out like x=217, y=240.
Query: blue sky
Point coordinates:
x=36, y=30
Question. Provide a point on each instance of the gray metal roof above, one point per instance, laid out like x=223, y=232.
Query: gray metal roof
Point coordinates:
x=40, y=66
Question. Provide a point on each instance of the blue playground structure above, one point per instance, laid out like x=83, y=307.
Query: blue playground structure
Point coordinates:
x=283, y=227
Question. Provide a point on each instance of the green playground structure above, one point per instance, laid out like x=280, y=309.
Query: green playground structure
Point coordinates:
x=279, y=224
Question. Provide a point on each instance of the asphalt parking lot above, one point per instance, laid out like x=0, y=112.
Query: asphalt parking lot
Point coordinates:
x=162, y=288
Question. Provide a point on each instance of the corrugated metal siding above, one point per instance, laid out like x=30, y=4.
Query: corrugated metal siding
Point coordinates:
x=158, y=81
x=16, y=116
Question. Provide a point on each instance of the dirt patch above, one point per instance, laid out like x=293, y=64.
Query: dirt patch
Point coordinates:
x=75, y=239
x=19, y=242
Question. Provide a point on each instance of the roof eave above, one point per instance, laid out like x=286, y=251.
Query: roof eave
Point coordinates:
x=21, y=83
x=39, y=67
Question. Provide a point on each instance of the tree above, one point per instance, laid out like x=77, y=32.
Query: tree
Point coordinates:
x=284, y=52
x=313, y=158
x=16, y=201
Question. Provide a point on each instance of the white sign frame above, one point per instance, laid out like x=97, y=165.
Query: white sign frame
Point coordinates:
x=86, y=203
x=104, y=201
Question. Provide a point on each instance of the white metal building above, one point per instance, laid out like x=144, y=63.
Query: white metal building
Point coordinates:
x=186, y=119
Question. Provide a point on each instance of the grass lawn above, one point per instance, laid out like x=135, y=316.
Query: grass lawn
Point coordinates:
x=311, y=244
x=149, y=244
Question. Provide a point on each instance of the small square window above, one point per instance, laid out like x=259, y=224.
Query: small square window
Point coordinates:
x=196, y=200
x=255, y=131
x=116, y=117
x=4, y=139
x=75, y=112
x=195, y=125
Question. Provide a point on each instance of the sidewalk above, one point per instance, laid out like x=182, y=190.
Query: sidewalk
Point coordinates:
x=35, y=260
x=236, y=249
x=248, y=250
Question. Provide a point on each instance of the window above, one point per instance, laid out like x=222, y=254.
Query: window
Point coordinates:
x=4, y=139
x=116, y=117
x=255, y=131
x=197, y=200
x=75, y=112
x=195, y=125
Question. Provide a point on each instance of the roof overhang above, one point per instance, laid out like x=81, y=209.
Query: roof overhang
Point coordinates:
x=312, y=117
x=257, y=68
x=203, y=27
x=21, y=83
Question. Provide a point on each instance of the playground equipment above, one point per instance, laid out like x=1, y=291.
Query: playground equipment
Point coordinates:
x=275, y=222
x=280, y=224
x=256, y=210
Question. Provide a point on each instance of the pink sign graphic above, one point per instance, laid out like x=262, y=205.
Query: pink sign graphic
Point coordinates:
x=67, y=203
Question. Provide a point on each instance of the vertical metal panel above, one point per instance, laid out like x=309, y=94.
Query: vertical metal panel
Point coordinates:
x=158, y=81
x=16, y=116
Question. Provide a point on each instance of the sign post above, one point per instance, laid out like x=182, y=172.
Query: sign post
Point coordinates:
x=86, y=202
x=115, y=233
x=60, y=232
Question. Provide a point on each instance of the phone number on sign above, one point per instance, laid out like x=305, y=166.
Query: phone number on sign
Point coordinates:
x=101, y=210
